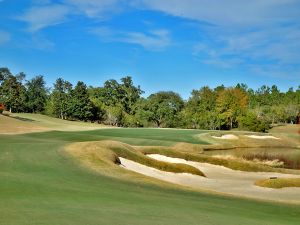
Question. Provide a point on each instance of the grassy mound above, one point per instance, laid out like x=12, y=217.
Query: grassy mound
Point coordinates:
x=279, y=182
x=107, y=152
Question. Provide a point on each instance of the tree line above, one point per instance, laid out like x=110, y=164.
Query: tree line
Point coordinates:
x=121, y=104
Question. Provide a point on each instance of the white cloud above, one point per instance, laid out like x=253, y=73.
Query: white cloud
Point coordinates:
x=39, y=17
x=237, y=33
x=261, y=36
x=226, y=12
x=44, y=13
x=274, y=51
x=95, y=8
x=155, y=39
x=281, y=44
x=152, y=40
x=4, y=37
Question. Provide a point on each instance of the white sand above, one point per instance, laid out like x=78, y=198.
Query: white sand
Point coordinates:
x=227, y=136
x=219, y=179
x=262, y=137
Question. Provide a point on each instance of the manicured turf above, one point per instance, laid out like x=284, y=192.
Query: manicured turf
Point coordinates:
x=41, y=186
x=139, y=136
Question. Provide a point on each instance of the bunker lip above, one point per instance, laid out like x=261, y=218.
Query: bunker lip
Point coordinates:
x=219, y=179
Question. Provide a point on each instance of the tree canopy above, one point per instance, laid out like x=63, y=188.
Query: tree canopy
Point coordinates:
x=121, y=103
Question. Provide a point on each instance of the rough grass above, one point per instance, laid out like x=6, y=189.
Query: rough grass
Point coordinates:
x=279, y=183
x=290, y=132
x=246, y=142
x=109, y=151
x=288, y=162
x=273, y=163
x=286, y=128
x=234, y=164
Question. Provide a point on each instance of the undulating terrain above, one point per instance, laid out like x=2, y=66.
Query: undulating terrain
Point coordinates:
x=62, y=172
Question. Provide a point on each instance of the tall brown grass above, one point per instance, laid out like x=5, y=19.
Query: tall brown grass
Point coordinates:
x=288, y=162
x=106, y=153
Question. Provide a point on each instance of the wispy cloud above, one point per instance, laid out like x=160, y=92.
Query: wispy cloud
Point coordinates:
x=152, y=40
x=227, y=12
x=43, y=13
x=262, y=51
x=4, y=37
x=39, y=17
x=95, y=8
x=261, y=36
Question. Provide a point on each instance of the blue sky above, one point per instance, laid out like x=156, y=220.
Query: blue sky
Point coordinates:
x=163, y=44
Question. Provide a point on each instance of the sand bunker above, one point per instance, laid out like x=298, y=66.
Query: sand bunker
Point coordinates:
x=262, y=137
x=219, y=179
x=227, y=137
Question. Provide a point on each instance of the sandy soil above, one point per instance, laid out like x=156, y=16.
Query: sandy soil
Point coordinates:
x=219, y=179
x=262, y=137
x=227, y=137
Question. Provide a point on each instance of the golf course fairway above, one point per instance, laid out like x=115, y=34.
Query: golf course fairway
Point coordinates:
x=40, y=184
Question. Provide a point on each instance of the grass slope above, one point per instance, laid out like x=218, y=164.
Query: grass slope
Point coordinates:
x=52, y=123
x=13, y=126
x=41, y=186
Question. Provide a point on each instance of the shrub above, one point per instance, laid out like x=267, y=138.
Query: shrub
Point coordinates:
x=253, y=123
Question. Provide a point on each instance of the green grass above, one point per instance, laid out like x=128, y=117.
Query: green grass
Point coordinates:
x=55, y=123
x=139, y=136
x=41, y=186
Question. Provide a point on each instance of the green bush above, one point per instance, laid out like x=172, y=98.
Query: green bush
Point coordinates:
x=253, y=123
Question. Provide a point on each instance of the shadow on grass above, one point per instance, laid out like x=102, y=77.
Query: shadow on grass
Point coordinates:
x=23, y=119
